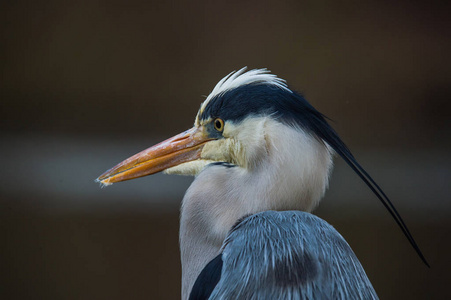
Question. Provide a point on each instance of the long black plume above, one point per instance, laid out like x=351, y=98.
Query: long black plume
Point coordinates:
x=291, y=108
x=328, y=134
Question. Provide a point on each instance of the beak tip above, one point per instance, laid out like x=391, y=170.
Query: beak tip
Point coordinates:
x=103, y=182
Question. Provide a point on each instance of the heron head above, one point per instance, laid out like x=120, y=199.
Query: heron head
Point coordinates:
x=236, y=125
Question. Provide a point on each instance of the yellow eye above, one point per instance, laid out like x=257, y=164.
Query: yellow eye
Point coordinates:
x=219, y=125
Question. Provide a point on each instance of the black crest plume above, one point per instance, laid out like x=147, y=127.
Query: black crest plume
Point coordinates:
x=291, y=108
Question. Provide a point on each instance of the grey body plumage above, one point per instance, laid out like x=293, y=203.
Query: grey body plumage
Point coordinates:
x=289, y=255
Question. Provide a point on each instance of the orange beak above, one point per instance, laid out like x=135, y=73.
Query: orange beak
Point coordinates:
x=182, y=148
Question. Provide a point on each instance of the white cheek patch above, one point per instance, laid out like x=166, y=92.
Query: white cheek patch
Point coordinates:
x=216, y=150
x=244, y=144
x=248, y=145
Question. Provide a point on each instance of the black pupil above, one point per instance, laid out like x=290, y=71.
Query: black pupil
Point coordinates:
x=218, y=124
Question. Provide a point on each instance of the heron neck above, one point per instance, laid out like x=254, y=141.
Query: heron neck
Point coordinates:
x=293, y=176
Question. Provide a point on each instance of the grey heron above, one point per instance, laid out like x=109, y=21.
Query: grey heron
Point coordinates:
x=261, y=156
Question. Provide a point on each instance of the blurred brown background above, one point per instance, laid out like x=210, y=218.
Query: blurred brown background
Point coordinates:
x=85, y=84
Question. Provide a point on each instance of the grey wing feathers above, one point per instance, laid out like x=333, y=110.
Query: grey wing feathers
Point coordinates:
x=289, y=255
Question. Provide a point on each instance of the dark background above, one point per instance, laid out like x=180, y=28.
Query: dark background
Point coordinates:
x=85, y=84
